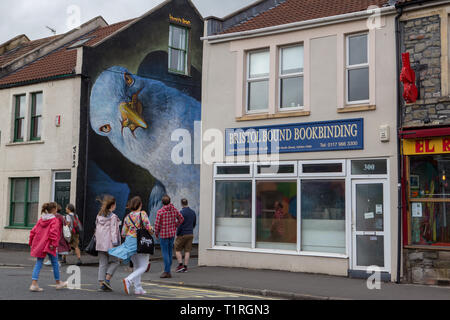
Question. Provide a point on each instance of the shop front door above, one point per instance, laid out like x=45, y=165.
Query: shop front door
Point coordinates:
x=370, y=212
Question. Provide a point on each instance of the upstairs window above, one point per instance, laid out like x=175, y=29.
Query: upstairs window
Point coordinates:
x=357, y=69
x=291, y=77
x=19, y=118
x=258, y=69
x=178, y=49
x=36, y=116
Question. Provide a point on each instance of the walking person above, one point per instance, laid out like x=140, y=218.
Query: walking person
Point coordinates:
x=168, y=219
x=136, y=219
x=63, y=247
x=185, y=236
x=75, y=226
x=44, y=240
x=107, y=236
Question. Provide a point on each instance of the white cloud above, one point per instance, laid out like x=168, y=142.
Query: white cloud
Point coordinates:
x=31, y=17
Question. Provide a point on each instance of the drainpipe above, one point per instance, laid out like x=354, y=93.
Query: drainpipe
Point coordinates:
x=399, y=141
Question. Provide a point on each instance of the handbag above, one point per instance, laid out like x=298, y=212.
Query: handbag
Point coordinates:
x=91, y=247
x=145, y=241
x=67, y=233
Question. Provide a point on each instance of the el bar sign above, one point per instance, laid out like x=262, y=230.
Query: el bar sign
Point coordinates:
x=299, y=137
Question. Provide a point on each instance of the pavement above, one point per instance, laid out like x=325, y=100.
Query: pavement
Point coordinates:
x=264, y=283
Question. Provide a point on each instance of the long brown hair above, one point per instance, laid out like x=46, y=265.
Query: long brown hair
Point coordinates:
x=107, y=202
x=134, y=204
x=48, y=207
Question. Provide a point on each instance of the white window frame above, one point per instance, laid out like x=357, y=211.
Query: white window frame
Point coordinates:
x=349, y=67
x=54, y=181
x=233, y=176
x=287, y=76
x=249, y=80
x=186, y=51
x=369, y=176
x=343, y=173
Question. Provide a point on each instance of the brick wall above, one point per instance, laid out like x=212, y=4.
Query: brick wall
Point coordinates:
x=427, y=267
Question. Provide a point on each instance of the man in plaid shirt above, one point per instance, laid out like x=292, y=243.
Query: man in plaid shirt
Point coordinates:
x=168, y=219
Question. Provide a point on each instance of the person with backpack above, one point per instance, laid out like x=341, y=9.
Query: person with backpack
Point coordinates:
x=107, y=236
x=134, y=221
x=75, y=226
x=63, y=246
x=44, y=240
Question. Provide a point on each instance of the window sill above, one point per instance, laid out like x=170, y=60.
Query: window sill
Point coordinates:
x=19, y=228
x=357, y=108
x=432, y=248
x=250, y=117
x=24, y=143
x=282, y=252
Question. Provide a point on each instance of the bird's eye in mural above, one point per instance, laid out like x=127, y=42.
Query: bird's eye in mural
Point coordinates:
x=128, y=79
x=106, y=128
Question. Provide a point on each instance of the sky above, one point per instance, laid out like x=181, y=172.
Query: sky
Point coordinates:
x=31, y=17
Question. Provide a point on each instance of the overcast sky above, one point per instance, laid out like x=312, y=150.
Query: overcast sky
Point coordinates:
x=31, y=17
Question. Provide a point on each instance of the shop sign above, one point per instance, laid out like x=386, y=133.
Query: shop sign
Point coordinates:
x=179, y=20
x=426, y=146
x=299, y=137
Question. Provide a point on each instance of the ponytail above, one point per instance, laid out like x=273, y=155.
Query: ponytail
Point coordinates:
x=107, y=202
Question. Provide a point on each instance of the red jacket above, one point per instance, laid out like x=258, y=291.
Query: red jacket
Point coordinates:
x=45, y=233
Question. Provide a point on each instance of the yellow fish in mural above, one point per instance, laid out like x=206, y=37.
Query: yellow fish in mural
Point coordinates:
x=132, y=114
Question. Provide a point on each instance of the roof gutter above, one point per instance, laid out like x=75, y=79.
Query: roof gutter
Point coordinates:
x=295, y=26
x=30, y=82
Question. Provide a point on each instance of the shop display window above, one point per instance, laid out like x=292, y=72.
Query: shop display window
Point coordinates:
x=323, y=216
x=233, y=209
x=429, y=207
x=276, y=215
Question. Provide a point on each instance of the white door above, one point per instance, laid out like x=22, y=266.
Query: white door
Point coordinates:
x=370, y=222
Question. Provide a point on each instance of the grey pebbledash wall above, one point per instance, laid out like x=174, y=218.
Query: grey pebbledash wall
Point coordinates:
x=422, y=39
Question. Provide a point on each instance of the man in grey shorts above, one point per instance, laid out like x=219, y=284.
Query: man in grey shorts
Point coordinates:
x=185, y=236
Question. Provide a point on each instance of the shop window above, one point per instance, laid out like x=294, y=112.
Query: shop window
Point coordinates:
x=369, y=167
x=323, y=216
x=24, y=202
x=291, y=77
x=237, y=170
x=178, y=49
x=357, y=69
x=36, y=116
x=233, y=212
x=276, y=215
x=429, y=193
x=19, y=118
x=258, y=70
x=318, y=168
x=276, y=169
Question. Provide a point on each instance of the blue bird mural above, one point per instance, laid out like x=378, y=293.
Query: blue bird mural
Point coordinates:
x=138, y=116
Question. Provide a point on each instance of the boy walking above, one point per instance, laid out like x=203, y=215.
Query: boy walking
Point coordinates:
x=185, y=236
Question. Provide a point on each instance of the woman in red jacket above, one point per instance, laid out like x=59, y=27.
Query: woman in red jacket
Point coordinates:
x=44, y=240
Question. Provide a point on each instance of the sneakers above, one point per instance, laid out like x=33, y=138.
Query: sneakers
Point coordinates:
x=36, y=289
x=126, y=286
x=107, y=285
x=140, y=292
x=61, y=285
x=79, y=263
x=104, y=288
x=185, y=269
x=165, y=275
x=181, y=268
x=47, y=263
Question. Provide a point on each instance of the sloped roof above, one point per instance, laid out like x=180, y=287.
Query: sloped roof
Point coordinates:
x=60, y=62
x=292, y=11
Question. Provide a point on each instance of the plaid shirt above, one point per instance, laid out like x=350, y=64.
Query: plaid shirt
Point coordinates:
x=167, y=221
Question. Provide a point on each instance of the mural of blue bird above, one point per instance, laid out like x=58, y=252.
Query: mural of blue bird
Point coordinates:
x=138, y=116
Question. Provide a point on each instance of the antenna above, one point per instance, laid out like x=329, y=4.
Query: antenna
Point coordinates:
x=51, y=30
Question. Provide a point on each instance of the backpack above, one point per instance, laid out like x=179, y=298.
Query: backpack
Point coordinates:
x=77, y=227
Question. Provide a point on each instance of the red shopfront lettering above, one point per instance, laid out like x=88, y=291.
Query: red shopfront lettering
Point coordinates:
x=423, y=146
x=446, y=145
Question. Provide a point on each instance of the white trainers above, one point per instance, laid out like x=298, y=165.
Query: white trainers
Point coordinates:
x=36, y=289
x=61, y=285
x=140, y=292
x=126, y=285
x=47, y=263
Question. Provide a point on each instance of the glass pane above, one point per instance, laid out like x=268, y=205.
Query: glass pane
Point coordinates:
x=18, y=214
x=62, y=194
x=292, y=92
x=37, y=108
x=33, y=213
x=233, y=209
x=177, y=37
x=258, y=95
x=357, y=47
x=36, y=125
x=292, y=60
x=19, y=186
x=276, y=215
x=322, y=168
x=19, y=129
x=323, y=216
x=259, y=64
x=62, y=176
x=369, y=207
x=428, y=176
x=276, y=169
x=20, y=107
x=177, y=60
x=33, y=190
x=370, y=251
x=430, y=223
x=358, y=84
x=367, y=167
x=233, y=170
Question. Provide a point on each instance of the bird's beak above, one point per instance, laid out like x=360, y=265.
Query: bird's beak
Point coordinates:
x=130, y=117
